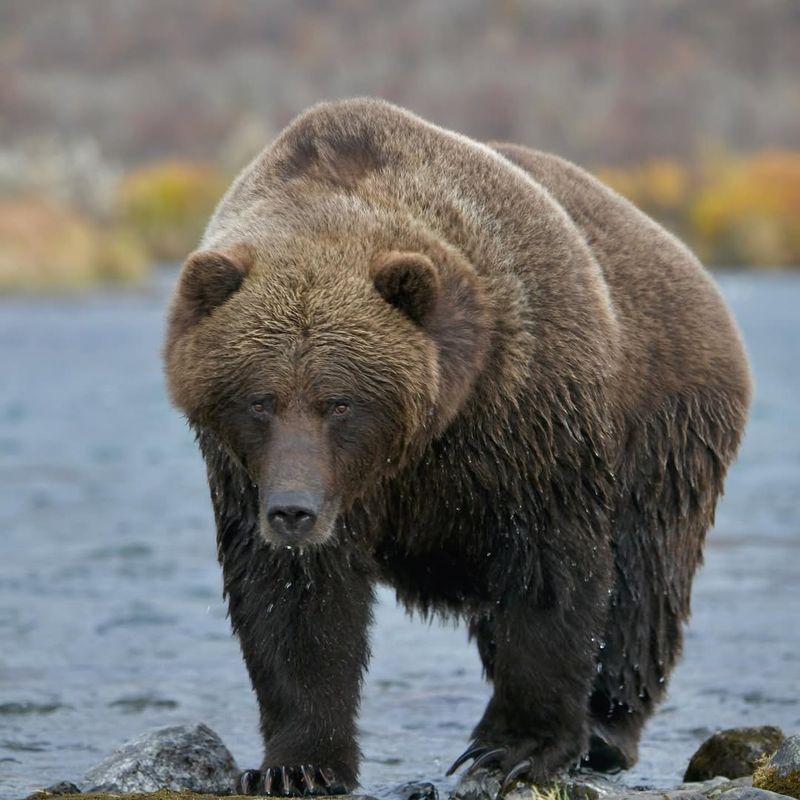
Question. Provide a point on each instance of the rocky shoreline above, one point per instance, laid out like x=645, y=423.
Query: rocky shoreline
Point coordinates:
x=190, y=762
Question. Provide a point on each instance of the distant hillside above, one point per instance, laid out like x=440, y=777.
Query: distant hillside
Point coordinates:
x=601, y=81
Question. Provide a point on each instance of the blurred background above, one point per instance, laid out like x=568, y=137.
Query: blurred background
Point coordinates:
x=122, y=120
x=121, y=123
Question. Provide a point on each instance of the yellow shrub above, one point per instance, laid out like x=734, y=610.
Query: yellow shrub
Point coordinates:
x=46, y=246
x=743, y=211
x=624, y=181
x=750, y=214
x=657, y=186
x=166, y=205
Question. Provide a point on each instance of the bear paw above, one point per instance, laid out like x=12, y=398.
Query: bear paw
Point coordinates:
x=522, y=761
x=295, y=781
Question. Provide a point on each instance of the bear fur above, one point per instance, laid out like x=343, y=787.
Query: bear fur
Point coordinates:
x=478, y=375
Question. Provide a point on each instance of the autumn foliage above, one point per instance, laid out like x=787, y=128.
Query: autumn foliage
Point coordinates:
x=158, y=214
x=166, y=205
x=46, y=246
x=741, y=211
x=732, y=210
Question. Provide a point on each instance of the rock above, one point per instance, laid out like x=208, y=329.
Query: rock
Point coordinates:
x=716, y=787
x=62, y=787
x=589, y=785
x=710, y=786
x=417, y=790
x=164, y=794
x=732, y=753
x=748, y=793
x=189, y=757
x=584, y=785
x=678, y=793
x=483, y=784
x=781, y=773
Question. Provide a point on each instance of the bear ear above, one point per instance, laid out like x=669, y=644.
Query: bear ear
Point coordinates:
x=408, y=281
x=207, y=280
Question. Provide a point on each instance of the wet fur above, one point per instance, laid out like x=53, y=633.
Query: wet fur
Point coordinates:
x=565, y=411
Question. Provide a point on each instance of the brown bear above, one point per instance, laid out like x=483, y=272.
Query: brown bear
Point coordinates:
x=474, y=373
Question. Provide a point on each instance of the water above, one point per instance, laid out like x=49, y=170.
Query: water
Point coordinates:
x=111, y=620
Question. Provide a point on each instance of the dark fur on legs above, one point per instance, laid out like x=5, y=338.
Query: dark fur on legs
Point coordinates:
x=302, y=620
x=670, y=475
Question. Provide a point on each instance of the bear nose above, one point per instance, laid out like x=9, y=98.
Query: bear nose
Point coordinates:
x=292, y=514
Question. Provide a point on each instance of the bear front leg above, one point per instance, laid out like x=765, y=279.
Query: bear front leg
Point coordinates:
x=542, y=663
x=302, y=622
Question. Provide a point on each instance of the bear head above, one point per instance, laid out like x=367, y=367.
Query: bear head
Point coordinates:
x=322, y=365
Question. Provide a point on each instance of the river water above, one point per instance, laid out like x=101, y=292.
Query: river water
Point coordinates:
x=111, y=620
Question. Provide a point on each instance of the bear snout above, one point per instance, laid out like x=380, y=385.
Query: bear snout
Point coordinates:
x=292, y=515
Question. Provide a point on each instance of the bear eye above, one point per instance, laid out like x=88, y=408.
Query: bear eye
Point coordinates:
x=261, y=408
x=339, y=408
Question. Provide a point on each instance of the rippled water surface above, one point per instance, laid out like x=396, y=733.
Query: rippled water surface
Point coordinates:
x=111, y=620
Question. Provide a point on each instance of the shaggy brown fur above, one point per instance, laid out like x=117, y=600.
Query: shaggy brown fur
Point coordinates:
x=476, y=374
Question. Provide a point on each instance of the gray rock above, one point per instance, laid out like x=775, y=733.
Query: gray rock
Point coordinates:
x=180, y=757
x=483, y=784
x=781, y=773
x=586, y=785
x=709, y=785
x=748, y=793
x=786, y=758
x=732, y=753
x=416, y=790
x=62, y=787
x=677, y=793
x=721, y=786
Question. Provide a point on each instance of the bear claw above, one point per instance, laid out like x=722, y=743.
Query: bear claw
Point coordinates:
x=247, y=782
x=470, y=752
x=518, y=769
x=302, y=780
x=482, y=756
x=487, y=756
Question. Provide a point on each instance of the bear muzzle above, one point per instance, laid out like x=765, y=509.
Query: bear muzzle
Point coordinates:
x=297, y=517
x=292, y=515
